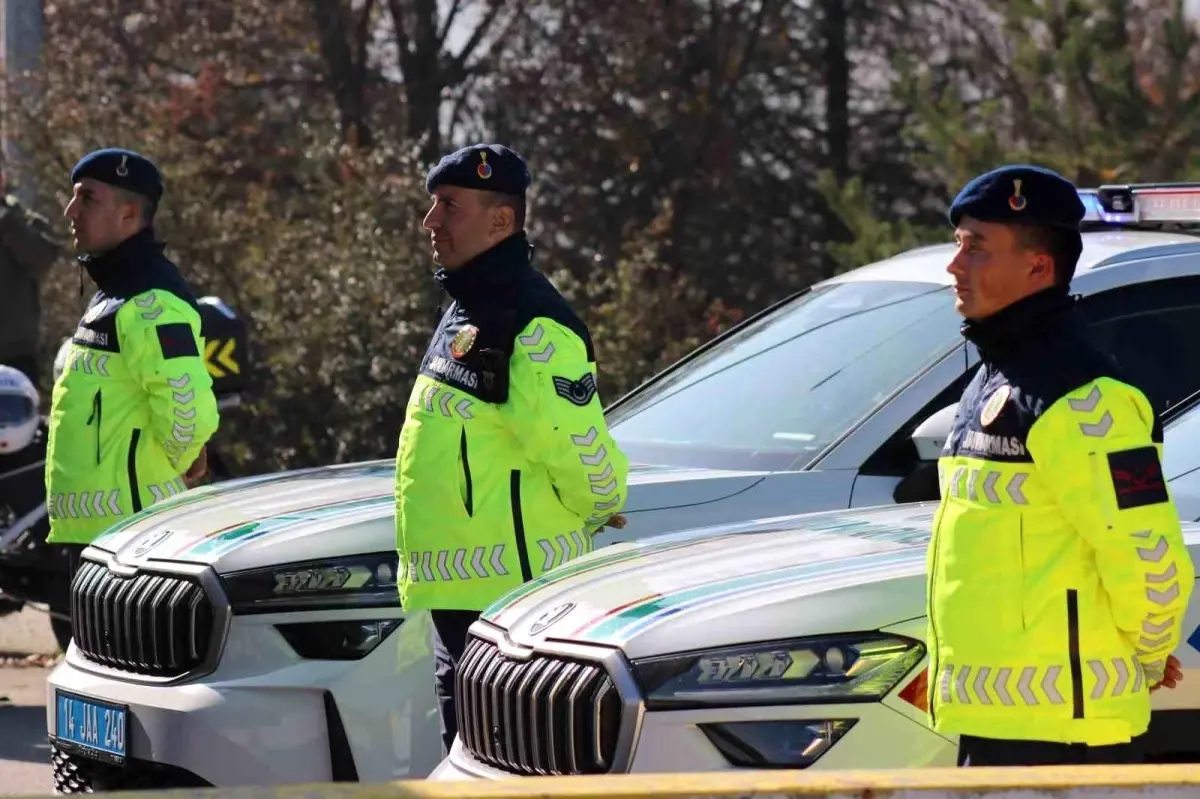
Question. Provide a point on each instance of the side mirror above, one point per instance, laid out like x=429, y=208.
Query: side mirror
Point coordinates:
x=931, y=435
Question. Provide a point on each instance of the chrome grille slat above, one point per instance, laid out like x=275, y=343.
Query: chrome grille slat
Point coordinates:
x=463, y=684
x=574, y=762
x=600, y=759
x=508, y=696
x=153, y=624
x=547, y=715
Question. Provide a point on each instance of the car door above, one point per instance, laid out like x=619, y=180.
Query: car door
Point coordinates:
x=1150, y=330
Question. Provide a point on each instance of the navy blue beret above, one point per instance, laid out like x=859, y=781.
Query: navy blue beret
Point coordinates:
x=488, y=167
x=124, y=169
x=1020, y=193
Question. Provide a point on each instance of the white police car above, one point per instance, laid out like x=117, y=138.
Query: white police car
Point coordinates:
x=248, y=633
x=794, y=642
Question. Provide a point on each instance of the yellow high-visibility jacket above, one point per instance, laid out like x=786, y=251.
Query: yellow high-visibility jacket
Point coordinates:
x=505, y=467
x=1058, y=575
x=134, y=403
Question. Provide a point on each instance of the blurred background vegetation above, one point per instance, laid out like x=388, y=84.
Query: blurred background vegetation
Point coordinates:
x=694, y=161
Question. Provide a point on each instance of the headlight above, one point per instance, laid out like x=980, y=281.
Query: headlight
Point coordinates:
x=843, y=668
x=359, y=581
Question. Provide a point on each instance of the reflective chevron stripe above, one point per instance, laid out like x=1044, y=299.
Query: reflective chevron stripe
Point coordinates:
x=90, y=362
x=534, y=340
x=1033, y=685
x=1008, y=686
x=429, y=565
x=85, y=505
x=1097, y=428
x=600, y=475
x=560, y=549
x=437, y=398
x=1112, y=677
x=1163, y=590
x=149, y=302
x=984, y=485
x=170, y=488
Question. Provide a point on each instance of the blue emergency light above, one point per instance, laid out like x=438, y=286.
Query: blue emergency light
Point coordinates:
x=1147, y=203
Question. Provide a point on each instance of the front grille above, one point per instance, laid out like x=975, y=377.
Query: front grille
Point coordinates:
x=153, y=624
x=75, y=774
x=545, y=715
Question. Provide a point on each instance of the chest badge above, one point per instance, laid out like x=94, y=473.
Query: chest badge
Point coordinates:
x=994, y=404
x=463, y=340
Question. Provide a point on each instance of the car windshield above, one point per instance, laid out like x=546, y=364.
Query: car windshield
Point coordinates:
x=775, y=393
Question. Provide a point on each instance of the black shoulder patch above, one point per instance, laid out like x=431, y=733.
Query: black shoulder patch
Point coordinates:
x=177, y=340
x=579, y=392
x=1137, y=477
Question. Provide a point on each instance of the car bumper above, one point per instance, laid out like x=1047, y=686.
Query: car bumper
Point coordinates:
x=886, y=735
x=263, y=717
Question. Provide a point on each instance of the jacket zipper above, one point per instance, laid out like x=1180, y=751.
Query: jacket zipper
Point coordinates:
x=1073, y=652
x=466, y=467
x=514, y=485
x=134, y=491
x=97, y=416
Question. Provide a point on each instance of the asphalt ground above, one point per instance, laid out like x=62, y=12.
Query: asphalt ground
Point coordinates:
x=27, y=652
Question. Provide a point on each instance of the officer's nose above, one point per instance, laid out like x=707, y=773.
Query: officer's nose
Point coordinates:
x=433, y=219
x=955, y=266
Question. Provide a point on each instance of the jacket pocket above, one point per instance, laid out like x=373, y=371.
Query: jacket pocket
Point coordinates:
x=1073, y=653
x=96, y=419
x=464, y=457
x=135, y=491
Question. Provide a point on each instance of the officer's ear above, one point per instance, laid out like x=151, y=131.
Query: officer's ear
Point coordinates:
x=502, y=218
x=1042, y=266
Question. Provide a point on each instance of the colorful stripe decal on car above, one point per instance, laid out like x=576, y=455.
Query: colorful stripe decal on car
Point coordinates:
x=232, y=488
x=224, y=540
x=620, y=624
x=569, y=570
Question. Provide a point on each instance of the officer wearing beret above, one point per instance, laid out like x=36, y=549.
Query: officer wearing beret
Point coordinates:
x=134, y=406
x=1058, y=576
x=505, y=467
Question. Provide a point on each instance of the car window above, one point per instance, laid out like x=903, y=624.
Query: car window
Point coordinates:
x=1150, y=328
x=1181, y=443
x=777, y=392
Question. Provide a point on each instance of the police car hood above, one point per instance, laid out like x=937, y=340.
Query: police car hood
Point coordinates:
x=329, y=512
x=777, y=578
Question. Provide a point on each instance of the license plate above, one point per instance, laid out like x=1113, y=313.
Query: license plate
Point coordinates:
x=92, y=728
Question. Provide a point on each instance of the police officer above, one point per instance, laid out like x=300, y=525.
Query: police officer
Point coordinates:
x=505, y=466
x=1058, y=576
x=133, y=407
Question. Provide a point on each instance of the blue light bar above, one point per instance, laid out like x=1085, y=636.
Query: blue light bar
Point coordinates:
x=1148, y=203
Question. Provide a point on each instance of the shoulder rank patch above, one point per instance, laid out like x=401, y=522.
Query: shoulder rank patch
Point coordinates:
x=177, y=340
x=994, y=404
x=579, y=392
x=1137, y=477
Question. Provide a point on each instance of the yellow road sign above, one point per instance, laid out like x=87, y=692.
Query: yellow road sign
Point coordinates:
x=219, y=354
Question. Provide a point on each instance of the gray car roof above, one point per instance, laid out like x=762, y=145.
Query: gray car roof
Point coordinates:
x=1174, y=254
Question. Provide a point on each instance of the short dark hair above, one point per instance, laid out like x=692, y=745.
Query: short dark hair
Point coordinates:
x=513, y=201
x=1062, y=245
x=146, y=206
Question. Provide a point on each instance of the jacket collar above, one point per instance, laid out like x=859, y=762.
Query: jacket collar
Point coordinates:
x=112, y=268
x=1027, y=321
x=489, y=271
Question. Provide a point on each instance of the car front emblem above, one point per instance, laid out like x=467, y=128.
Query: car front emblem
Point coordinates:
x=552, y=616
